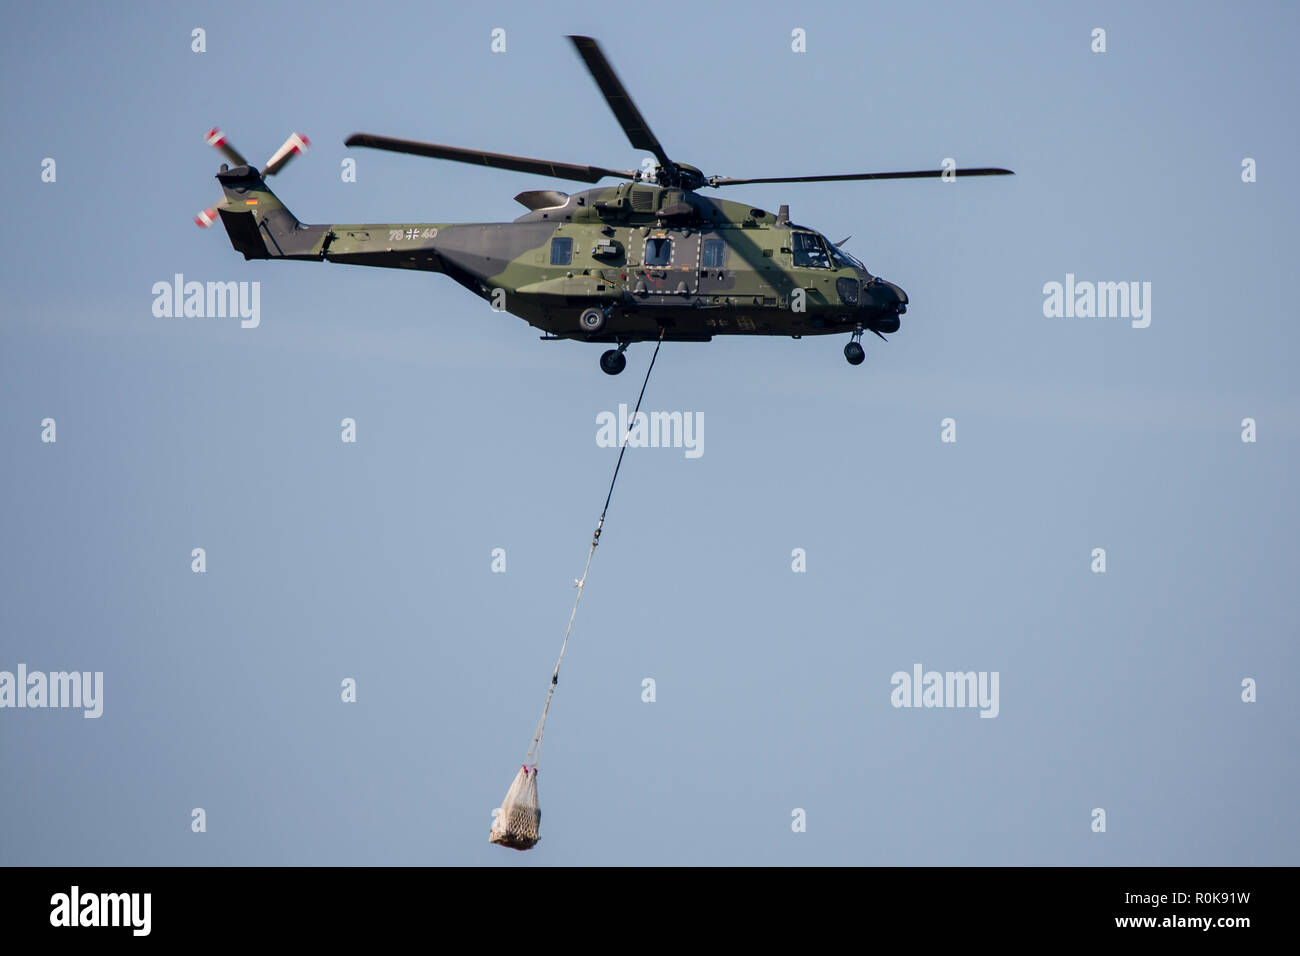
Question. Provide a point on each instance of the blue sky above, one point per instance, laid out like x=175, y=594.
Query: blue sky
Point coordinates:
x=372, y=560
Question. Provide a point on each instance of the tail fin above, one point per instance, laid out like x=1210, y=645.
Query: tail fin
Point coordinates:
x=257, y=222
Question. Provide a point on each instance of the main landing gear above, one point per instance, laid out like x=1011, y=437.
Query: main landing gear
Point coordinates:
x=614, y=361
x=854, y=351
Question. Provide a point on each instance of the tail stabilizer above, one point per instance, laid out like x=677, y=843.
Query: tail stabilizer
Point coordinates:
x=259, y=225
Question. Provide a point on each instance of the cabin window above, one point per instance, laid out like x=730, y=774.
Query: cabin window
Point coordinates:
x=848, y=290
x=561, y=251
x=809, y=253
x=711, y=254
x=658, y=251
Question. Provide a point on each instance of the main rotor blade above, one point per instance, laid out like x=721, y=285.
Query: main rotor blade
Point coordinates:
x=915, y=174
x=616, y=95
x=477, y=157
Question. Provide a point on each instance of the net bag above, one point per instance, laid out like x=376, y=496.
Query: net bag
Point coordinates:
x=519, y=823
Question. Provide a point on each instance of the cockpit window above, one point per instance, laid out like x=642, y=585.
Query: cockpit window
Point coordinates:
x=809, y=253
x=844, y=260
x=847, y=289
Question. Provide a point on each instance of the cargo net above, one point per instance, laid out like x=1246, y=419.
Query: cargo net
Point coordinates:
x=519, y=823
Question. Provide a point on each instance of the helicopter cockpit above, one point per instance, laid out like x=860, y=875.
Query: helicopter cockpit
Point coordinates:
x=845, y=260
x=809, y=251
x=813, y=251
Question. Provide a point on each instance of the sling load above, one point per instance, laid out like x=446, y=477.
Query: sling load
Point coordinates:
x=518, y=824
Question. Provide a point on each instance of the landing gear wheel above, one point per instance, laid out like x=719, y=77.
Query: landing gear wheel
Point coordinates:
x=855, y=353
x=613, y=362
x=592, y=320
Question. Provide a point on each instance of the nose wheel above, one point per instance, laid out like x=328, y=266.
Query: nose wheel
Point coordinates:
x=854, y=351
x=614, y=361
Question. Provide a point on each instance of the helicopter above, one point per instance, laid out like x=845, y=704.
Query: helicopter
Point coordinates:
x=650, y=258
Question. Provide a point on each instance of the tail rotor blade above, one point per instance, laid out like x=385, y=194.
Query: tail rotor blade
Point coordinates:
x=217, y=140
x=294, y=145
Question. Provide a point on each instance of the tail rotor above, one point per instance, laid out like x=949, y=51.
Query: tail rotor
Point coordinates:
x=293, y=146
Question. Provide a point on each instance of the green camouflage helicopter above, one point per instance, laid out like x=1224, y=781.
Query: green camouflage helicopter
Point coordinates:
x=645, y=259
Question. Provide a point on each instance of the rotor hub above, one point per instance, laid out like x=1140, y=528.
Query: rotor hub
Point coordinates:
x=680, y=176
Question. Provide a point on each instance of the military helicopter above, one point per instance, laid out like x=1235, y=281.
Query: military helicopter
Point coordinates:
x=645, y=259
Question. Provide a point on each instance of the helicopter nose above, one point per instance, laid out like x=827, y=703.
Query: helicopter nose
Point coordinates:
x=886, y=296
x=900, y=297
